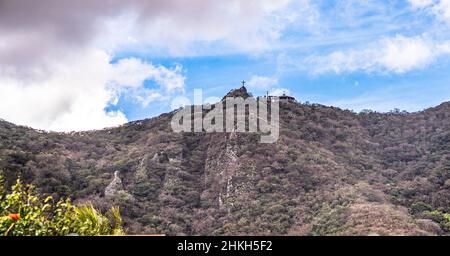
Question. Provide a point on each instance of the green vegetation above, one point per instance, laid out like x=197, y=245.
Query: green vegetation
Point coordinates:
x=332, y=172
x=441, y=218
x=25, y=213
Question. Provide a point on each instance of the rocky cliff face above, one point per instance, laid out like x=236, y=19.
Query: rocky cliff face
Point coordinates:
x=114, y=187
x=241, y=92
x=331, y=172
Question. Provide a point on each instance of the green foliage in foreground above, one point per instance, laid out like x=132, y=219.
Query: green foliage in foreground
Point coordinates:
x=24, y=213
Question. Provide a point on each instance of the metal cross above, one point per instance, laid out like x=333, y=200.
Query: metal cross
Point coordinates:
x=243, y=82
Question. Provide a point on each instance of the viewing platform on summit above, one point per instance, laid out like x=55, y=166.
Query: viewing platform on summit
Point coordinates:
x=242, y=92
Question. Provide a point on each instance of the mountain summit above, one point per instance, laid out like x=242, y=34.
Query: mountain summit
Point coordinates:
x=241, y=92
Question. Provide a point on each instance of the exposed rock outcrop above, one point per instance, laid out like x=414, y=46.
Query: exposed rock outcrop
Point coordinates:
x=241, y=92
x=115, y=186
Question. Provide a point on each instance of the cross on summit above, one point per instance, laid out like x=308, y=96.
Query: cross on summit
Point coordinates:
x=243, y=82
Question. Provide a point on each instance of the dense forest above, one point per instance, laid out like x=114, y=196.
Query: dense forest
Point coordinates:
x=332, y=172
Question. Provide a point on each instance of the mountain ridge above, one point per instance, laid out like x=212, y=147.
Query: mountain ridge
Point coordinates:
x=332, y=171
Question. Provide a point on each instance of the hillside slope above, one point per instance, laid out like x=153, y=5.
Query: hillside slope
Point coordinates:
x=332, y=172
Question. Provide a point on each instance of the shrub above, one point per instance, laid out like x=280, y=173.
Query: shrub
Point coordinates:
x=24, y=213
x=441, y=218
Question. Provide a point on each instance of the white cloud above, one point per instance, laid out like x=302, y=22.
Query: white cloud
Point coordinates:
x=402, y=54
x=75, y=93
x=398, y=54
x=420, y=3
x=279, y=92
x=234, y=26
x=262, y=82
x=146, y=96
x=55, y=58
x=157, y=26
x=439, y=8
x=442, y=10
x=55, y=63
x=131, y=72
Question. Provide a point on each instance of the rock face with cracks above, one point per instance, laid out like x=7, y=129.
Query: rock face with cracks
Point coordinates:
x=113, y=187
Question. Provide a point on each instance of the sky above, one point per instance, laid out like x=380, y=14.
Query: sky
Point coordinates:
x=82, y=65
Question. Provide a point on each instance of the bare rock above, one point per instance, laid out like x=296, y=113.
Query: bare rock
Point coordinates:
x=114, y=186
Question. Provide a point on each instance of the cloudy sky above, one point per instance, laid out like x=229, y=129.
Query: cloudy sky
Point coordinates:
x=79, y=65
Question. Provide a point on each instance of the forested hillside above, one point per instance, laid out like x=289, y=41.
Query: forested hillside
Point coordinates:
x=332, y=172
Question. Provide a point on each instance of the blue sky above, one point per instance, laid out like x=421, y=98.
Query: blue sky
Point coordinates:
x=133, y=60
x=380, y=88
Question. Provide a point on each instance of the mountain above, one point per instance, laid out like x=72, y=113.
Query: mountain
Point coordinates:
x=331, y=172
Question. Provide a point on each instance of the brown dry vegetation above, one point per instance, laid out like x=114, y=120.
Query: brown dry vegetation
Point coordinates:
x=332, y=172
